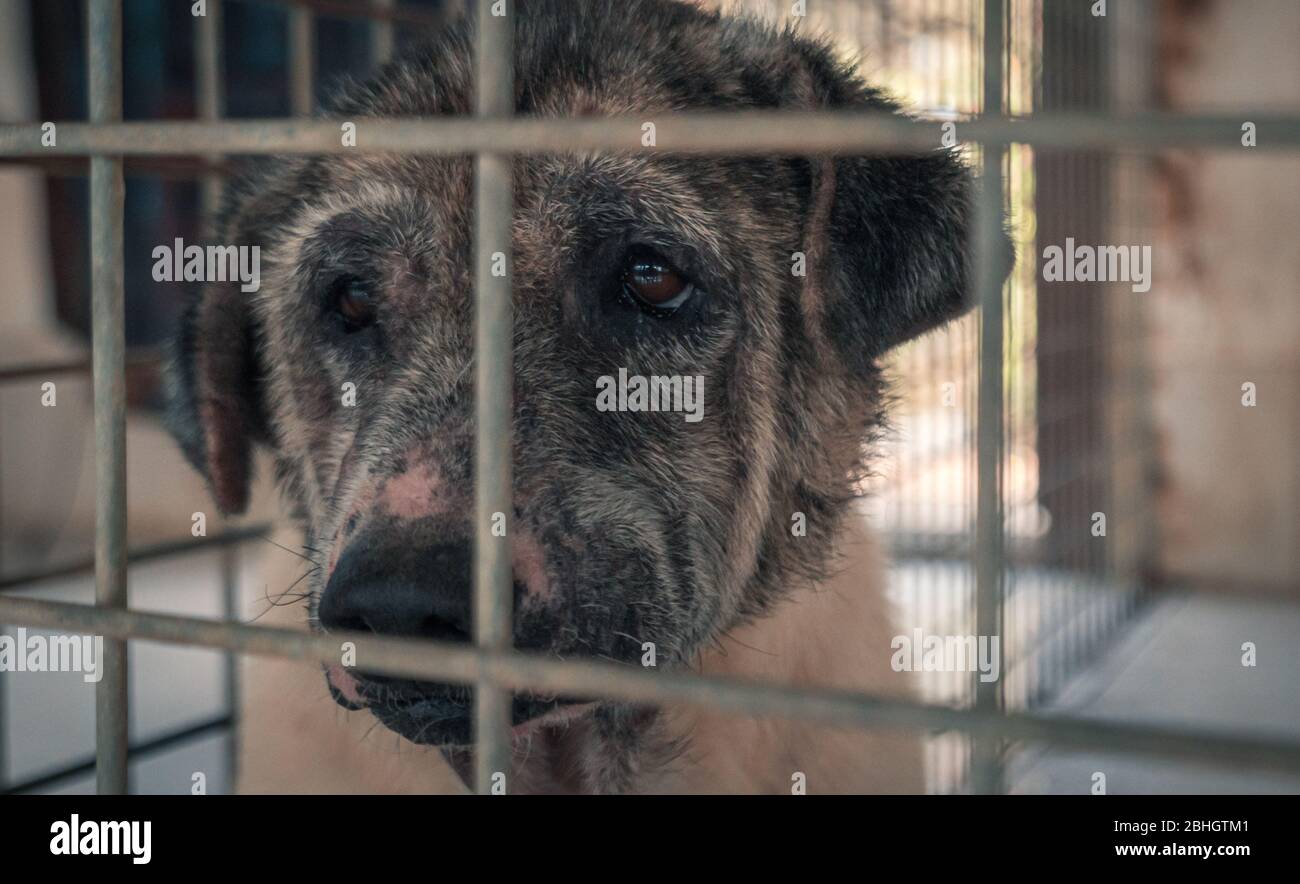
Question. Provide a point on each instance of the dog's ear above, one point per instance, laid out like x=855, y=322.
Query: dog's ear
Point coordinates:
x=214, y=408
x=887, y=237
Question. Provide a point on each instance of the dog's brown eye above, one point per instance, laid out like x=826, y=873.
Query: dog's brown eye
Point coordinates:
x=354, y=304
x=656, y=283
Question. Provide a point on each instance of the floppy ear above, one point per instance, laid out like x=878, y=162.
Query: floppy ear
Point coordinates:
x=887, y=237
x=213, y=406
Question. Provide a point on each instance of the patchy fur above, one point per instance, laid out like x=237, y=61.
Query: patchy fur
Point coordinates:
x=628, y=527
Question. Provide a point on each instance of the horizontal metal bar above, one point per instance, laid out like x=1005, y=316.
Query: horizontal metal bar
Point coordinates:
x=466, y=665
x=72, y=366
x=166, y=550
x=135, y=751
x=741, y=132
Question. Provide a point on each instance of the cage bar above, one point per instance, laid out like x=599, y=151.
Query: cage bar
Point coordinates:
x=986, y=230
x=491, y=665
x=381, y=34
x=158, y=744
x=740, y=133
x=211, y=105
x=210, y=97
x=31, y=370
x=107, y=193
x=467, y=664
x=493, y=398
x=302, y=61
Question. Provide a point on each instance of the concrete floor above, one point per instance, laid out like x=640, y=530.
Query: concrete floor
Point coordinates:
x=1181, y=664
x=1178, y=663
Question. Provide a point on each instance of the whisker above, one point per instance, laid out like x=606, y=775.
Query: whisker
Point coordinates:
x=290, y=551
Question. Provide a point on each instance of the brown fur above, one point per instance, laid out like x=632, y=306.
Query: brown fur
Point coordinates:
x=628, y=526
x=293, y=740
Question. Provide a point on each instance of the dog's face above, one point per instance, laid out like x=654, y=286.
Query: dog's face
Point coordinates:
x=762, y=290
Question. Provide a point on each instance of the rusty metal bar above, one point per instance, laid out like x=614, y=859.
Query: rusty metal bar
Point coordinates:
x=467, y=664
x=107, y=192
x=493, y=397
x=302, y=61
x=738, y=133
x=986, y=232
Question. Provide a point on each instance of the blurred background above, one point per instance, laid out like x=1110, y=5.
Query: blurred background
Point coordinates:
x=1116, y=402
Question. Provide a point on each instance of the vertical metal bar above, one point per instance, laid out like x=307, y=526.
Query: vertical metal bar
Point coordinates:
x=4, y=732
x=381, y=35
x=493, y=396
x=4, y=726
x=209, y=83
x=104, y=43
x=211, y=101
x=986, y=775
x=230, y=555
x=302, y=61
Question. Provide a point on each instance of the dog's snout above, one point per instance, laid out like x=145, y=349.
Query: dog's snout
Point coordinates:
x=421, y=592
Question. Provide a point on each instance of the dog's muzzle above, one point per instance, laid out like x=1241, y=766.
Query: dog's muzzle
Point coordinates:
x=414, y=590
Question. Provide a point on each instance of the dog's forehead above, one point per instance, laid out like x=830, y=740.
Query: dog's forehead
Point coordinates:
x=578, y=58
x=593, y=58
x=561, y=201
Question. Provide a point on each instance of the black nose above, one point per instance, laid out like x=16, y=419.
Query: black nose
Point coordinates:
x=419, y=591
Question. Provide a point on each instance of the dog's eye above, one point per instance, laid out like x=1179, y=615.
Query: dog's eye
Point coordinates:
x=353, y=304
x=656, y=285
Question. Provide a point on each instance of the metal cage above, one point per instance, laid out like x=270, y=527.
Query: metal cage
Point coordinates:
x=991, y=718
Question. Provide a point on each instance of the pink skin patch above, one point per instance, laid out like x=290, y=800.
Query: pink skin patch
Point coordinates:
x=529, y=564
x=417, y=492
x=422, y=491
x=345, y=684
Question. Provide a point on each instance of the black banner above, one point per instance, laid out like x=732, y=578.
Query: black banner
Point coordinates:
x=335, y=832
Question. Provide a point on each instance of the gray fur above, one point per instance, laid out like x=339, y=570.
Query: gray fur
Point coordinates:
x=651, y=528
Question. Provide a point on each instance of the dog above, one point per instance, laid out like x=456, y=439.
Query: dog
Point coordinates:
x=729, y=544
